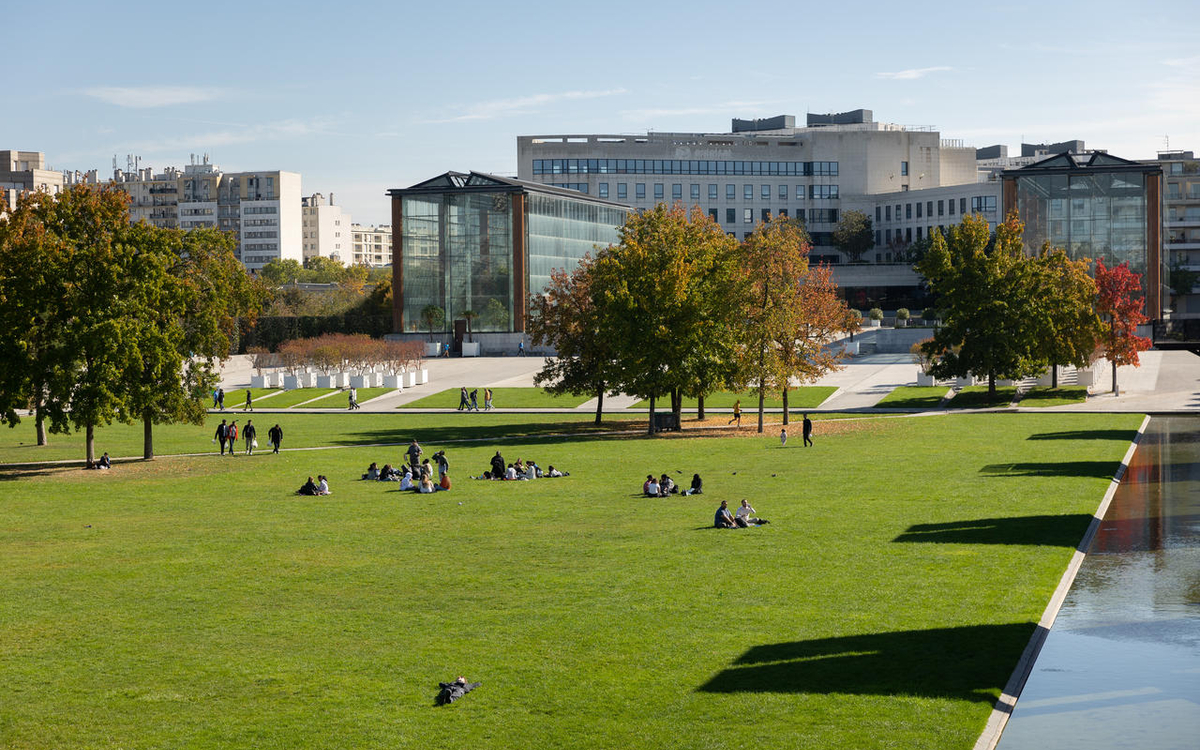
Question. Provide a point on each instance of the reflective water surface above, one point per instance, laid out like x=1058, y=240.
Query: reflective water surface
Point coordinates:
x=1121, y=665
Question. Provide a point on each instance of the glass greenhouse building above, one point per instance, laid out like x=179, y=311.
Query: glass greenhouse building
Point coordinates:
x=482, y=243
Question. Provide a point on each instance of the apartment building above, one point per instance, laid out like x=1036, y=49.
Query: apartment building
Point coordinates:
x=22, y=171
x=325, y=228
x=372, y=245
x=1181, y=237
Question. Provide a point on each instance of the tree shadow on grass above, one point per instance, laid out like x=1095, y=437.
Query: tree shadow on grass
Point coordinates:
x=966, y=663
x=1056, y=531
x=1122, y=435
x=556, y=432
x=1095, y=469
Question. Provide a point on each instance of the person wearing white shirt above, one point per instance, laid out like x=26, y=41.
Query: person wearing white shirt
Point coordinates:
x=652, y=487
x=322, y=485
x=743, y=517
x=406, y=482
x=511, y=473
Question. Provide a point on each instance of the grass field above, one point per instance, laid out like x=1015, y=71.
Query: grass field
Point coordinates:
x=291, y=398
x=340, y=399
x=502, y=398
x=803, y=397
x=1040, y=396
x=197, y=603
x=914, y=397
x=237, y=399
x=976, y=397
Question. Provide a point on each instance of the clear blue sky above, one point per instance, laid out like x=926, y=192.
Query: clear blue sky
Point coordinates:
x=360, y=97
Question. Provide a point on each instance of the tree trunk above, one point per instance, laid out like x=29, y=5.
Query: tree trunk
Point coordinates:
x=1054, y=377
x=599, y=403
x=41, y=428
x=650, y=427
x=700, y=407
x=677, y=409
x=991, y=387
x=90, y=440
x=1116, y=391
x=785, y=407
x=147, y=437
x=762, y=397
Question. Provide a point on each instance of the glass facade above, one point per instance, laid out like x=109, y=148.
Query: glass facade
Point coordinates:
x=561, y=231
x=684, y=166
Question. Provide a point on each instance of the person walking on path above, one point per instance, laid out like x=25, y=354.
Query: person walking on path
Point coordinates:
x=222, y=435
x=251, y=435
x=521, y=349
x=353, y=398
x=475, y=399
x=221, y=398
x=275, y=435
x=462, y=399
x=807, y=431
x=249, y=406
x=783, y=436
x=487, y=399
x=737, y=413
x=231, y=434
x=214, y=398
x=414, y=456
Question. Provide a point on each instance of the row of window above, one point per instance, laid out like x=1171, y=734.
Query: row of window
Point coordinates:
x=815, y=215
x=259, y=246
x=979, y=204
x=684, y=166
x=268, y=235
x=903, y=235
x=260, y=210
x=815, y=192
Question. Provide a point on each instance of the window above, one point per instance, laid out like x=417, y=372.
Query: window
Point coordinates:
x=904, y=168
x=640, y=191
x=928, y=208
x=730, y=192
x=878, y=236
x=918, y=210
x=783, y=192
x=1177, y=168
x=602, y=190
x=897, y=212
x=907, y=210
x=677, y=191
x=983, y=204
x=748, y=216
x=766, y=214
x=878, y=213
x=712, y=214
x=887, y=212
x=1173, y=191
x=908, y=234
x=658, y=191
x=695, y=192
x=765, y=192
x=712, y=192
x=799, y=192
x=622, y=190
x=918, y=234
x=950, y=205
x=730, y=215
x=962, y=205
x=941, y=207
x=748, y=192
x=822, y=215
x=822, y=192
x=783, y=212
x=887, y=236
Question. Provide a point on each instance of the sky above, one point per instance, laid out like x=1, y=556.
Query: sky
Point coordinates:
x=360, y=97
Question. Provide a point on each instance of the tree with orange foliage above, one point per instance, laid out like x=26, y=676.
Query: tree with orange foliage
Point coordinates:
x=1122, y=314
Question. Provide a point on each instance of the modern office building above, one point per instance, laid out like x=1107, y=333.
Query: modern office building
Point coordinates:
x=1098, y=207
x=25, y=171
x=482, y=243
x=1181, y=176
x=324, y=229
x=371, y=245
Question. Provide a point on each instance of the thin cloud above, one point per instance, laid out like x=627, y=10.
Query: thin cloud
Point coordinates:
x=912, y=73
x=731, y=108
x=146, y=97
x=285, y=129
x=521, y=105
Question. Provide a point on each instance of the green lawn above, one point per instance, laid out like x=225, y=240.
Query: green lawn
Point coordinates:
x=293, y=397
x=237, y=399
x=976, y=397
x=341, y=399
x=804, y=397
x=502, y=398
x=197, y=603
x=1045, y=396
x=914, y=397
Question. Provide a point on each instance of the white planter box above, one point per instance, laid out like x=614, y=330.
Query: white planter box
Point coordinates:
x=432, y=350
x=876, y=323
x=258, y=381
x=325, y=381
x=393, y=381
x=274, y=379
x=850, y=348
x=291, y=382
x=470, y=349
x=924, y=379
x=901, y=323
x=964, y=382
x=1046, y=379
x=410, y=379
x=359, y=381
x=1087, y=377
x=423, y=376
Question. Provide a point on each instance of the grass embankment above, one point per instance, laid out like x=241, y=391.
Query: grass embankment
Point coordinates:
x=502, y=398
x=914, y=397
x=341, y=399
x=976, y=397
x=1042, y=396
x=803, y=397
x=196, y=602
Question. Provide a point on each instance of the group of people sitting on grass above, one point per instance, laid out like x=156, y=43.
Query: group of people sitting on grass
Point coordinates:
x=518, y=470
x=104, y=462
x=665, y=486
x=739, y=520
x=319, y=487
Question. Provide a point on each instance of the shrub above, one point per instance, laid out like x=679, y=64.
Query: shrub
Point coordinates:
x=929, y=314
x=902, y=314
x=876, y=313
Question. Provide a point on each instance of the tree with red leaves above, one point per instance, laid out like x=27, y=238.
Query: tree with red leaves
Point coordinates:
x=1122, y=314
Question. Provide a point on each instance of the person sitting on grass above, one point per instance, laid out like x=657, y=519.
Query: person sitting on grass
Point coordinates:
x=389, y=474
x=372, y=472
x=406, y=481
x=723, y=518
x=742, y=517
x=666, y=486
x=444, y=484
x=322, y=485
x=653, y=489
x=309, y=488
x=486, y=475
x=511, y=473
x=105, y=462
x=697, y=487
x=426, y=486
x=553, y=472
x=497, y=465
x=531, y=470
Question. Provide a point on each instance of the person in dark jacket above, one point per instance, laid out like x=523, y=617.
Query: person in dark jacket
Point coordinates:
x=309, y=488
x=250, y=433
x=222, y=432
x=498, y=465
x=697, y=486
x=452, y=691
x=275, y=436
x=807, y=431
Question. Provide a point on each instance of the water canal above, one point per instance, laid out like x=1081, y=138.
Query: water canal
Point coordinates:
x=1120, y=668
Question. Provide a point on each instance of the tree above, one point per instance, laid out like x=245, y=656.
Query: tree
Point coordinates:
x=565, y=319
x=325, y=270
x=469, y=316
x=987, y=301
x=1122, y=314
x=1065, y=295
x=432, y=317
x=282, y=271
x=854, y=234
x=665, y=296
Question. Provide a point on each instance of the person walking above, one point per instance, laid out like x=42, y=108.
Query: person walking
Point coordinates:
x=222, y=435
x=251, y=435
x=783, y=437
x=487, y=399
x=353, y=398
x=474, y=399
x=214, y=398
x=737, y=413
x=221, y=398
x=231, y=434
x=249, y=406
x=521, y=349
x=807, y=431
x=462, y=399
x=275, y=435
x=414, y=455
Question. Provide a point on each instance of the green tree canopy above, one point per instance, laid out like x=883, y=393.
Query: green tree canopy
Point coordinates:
x=854, y=234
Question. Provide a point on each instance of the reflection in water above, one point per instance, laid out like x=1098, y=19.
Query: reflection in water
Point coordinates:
x=1121, y=666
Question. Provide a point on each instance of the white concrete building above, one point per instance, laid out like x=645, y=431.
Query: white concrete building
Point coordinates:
x=372, y=246
x=324, y=228
x=22, y=171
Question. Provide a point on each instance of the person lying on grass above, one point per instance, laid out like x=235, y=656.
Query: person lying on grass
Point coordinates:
x=389, y=473
x=452, y=691
x=723, y=518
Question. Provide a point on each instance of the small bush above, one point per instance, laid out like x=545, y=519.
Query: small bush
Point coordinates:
x=902, y=314
x=876, y=313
